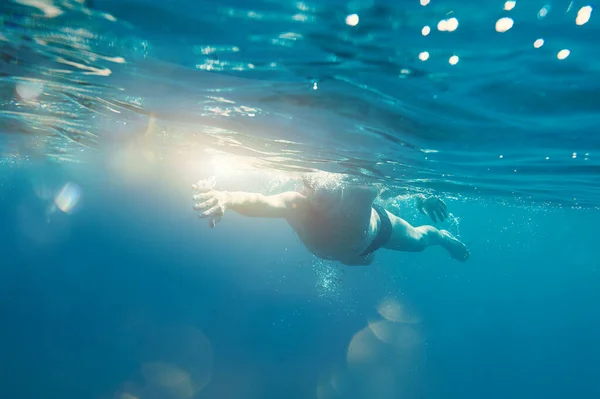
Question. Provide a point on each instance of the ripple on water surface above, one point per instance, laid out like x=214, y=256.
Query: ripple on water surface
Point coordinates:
x=478, y=99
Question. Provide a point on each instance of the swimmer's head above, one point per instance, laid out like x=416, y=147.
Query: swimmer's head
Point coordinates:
x=322, y=193
x=308, y=186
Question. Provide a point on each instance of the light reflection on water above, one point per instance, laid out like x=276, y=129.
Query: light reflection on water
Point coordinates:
x=305, y=86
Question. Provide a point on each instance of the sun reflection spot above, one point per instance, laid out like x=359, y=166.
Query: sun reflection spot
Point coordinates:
x=448, y=25
x=543, y=12
x=89, y=70
x=504, y=24
x=254, y=15
x=562, y=54
x=117, y=60
x=352, y=20
x=509, y=5
x=426, y=30
x=300, y=17
x=453, y=60
x=302, y=6
x=49, y=9
x=315, y=86
x=538, y=43
x=424, y=2
x=424, y=56
x=583, y=15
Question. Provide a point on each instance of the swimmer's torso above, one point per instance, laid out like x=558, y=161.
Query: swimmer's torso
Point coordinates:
x=336, y=227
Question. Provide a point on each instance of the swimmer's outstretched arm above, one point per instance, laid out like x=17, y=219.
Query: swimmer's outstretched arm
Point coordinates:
x=212, y=204
x=266, y=206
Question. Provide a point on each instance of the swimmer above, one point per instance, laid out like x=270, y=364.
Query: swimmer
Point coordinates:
x=338, y=223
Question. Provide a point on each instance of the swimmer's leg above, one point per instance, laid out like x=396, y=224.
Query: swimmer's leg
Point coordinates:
x=415, y=239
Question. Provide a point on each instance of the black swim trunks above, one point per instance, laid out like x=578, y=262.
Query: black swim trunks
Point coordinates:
x=384, y=233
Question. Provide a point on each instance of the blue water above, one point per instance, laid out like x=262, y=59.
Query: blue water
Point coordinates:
x=111, y=287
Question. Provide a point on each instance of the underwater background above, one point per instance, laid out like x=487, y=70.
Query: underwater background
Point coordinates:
x=112, y=287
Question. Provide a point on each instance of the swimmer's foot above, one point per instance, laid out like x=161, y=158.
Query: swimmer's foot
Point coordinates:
x=455, y=248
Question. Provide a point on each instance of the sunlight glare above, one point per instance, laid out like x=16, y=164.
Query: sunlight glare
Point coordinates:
x=424, y=56
x=424, y=2
x=453, y=60
x=68, y=197
x=227, y=165
x=538, y=43
x=509, y=5
x=425, y=31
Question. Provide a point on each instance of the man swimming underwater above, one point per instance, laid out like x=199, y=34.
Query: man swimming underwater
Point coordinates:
x=338, y=223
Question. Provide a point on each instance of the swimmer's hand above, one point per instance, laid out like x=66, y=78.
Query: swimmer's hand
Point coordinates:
x=211, y=203
x=433, y=207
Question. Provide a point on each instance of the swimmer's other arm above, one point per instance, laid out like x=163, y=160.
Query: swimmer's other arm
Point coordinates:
x=433, y=207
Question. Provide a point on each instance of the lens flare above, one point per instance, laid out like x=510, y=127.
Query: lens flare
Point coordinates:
x=29, y=91
x=68, y=197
